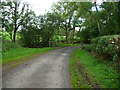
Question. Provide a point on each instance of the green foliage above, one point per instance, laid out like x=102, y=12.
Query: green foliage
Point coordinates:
x=85, y=36
x=107, y=46
x=88, y=48
x=104, y=74
x=38, y=31
x=8, y=45
x=66, y=45
x=13, y=14
x=6, y=36
x=102, y=22
x=111, y=26
x=30, y=37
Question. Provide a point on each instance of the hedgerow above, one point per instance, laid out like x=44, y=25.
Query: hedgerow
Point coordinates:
x=108, y=45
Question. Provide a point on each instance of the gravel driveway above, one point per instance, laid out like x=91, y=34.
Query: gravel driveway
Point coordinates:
x=50, y=70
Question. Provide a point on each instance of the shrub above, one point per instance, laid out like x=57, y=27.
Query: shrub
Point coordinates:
x=85, y=36
x=88, y=48
x=108, y=45
x=7, y=45
x=53, y=44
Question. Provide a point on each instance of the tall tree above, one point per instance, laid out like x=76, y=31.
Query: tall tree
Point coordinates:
x=12, y=16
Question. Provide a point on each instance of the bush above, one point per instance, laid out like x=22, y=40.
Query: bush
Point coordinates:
x=108, y=45
x=7, y=45
x=53, y=44
x=88, y=48
x=85, y=36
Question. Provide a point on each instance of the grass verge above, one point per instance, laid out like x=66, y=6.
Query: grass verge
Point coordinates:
x=20, y=53
x=96, y=72
x=65, y=45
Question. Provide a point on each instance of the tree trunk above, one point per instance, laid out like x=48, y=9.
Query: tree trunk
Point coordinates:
x=94, y=17
x=66, y=34
x=73, y=34
x=46, y=42
x=14, y=36
x=97, y=20
x=15, y=22
x=98, y=25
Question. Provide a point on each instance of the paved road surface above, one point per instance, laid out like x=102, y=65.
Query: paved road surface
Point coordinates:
x=50, y=70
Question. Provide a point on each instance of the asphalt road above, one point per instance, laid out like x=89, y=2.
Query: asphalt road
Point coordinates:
x=50, y=70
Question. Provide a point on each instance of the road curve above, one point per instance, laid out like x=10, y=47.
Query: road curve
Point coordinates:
x=50, y=70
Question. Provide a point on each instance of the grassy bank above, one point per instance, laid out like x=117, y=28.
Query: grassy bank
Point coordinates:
x=88, y=72
x=20, y=53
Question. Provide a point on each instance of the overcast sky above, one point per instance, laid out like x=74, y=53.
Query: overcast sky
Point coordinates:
x=41, y=6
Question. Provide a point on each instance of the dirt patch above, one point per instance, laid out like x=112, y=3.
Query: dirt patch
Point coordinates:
x=86, y=77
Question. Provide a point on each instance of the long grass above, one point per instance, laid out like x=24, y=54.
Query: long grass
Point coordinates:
x=106, y=75
x=19, y=53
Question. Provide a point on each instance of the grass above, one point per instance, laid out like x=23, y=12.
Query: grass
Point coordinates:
x=19, y=53
x=88, y=47
x=77, y=79
x=105, y=75
x=65, y=45
x=15, y=54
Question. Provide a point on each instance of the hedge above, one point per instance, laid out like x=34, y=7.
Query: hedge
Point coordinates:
x=108, y=45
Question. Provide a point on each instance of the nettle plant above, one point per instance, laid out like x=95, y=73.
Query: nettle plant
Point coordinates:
x=108, y=45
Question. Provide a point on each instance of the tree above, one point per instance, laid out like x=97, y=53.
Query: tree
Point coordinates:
x=108, y=17
x=50, y=23
x=66, y=10
x=12, y=17
x=30, y=33
x=39, y=30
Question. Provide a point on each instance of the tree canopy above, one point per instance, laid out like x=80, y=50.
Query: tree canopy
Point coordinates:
x=91, y=19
